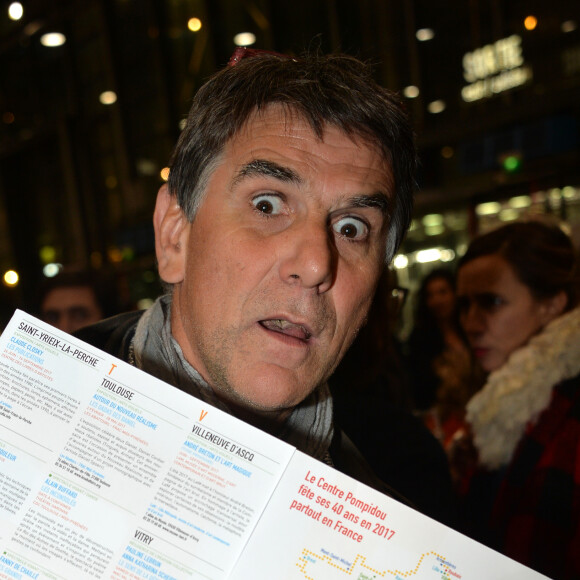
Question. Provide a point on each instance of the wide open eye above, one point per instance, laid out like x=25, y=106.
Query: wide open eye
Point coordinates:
x=351, y=228
x=268, y=203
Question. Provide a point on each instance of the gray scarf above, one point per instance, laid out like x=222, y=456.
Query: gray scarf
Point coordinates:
x=155, y=351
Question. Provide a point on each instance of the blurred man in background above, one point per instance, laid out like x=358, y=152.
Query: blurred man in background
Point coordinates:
x=72, y=300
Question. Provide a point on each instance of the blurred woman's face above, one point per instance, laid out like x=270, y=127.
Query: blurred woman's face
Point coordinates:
x=440, y=298
x=497, y=311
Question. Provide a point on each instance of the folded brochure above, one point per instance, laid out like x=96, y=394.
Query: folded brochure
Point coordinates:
x=108, y=472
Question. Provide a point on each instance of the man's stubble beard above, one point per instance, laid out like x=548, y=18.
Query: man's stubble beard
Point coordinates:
x=218, y=361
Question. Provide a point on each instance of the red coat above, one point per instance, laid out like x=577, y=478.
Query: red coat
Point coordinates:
x=535, y=518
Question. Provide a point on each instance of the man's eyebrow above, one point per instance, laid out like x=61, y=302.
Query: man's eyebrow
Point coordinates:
x=265, y=168
x=378, y=200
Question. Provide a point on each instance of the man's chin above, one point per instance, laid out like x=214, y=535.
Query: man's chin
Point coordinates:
x=264, y=414
x=271, y=397
x=263, y=403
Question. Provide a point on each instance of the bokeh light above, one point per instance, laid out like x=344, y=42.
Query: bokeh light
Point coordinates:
x=194, y=24
x=52, y=39
x=424, y=34
x=411, y=92
x=244, y=39
x=436, y=107
x=530, y=22
x=47, y=254
x=11, y=278
x=51, y=270
x=15, y=11
x=108, y=97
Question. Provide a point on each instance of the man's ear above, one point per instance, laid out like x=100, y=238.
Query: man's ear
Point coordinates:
x=171, y=233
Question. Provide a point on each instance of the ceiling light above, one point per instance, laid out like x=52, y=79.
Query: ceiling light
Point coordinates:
x=15, y=11
x=434, y=230
x=447, y=255
x=47, y=254
x=11, y=278
x=489, y=208
x=52, y=39
x=461, y=248
x=512, y=163
x=108, y=97
x=569, y=192
x=436, y=107
x=520, y=201
x=194, y=24
x=51, y=270
x=401, y=262
x=424, y=34
x=530, y=22
x=411, y=91
x=244, y=39
x=432, y=219
x=430, y=255
x=509, y=215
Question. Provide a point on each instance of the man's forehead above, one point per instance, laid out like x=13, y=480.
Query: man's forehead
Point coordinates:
x=281, y=134
x=292, y=122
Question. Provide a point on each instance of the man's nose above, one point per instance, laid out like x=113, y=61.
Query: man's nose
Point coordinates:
x=308, y=256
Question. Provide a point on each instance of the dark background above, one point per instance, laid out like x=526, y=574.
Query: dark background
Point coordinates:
x=78, y=179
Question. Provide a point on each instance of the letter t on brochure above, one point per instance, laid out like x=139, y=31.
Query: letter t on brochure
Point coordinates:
x=108, y=472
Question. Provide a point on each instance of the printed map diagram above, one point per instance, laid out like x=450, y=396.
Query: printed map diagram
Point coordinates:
x=429, y=566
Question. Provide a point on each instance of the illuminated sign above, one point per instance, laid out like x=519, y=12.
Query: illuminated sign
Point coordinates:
x=494, y=68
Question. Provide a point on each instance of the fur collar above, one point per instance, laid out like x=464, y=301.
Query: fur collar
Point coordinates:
x=521, y=389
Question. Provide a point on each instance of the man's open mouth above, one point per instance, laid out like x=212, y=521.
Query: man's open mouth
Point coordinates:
x=288, y=328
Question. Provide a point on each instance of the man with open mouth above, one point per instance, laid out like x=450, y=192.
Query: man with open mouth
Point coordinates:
x=289, y=192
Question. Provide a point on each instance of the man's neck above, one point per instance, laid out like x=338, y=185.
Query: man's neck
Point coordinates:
x=268, y=420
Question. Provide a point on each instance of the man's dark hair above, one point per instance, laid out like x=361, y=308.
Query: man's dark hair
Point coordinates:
x=542, y=257
x=324, y=90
